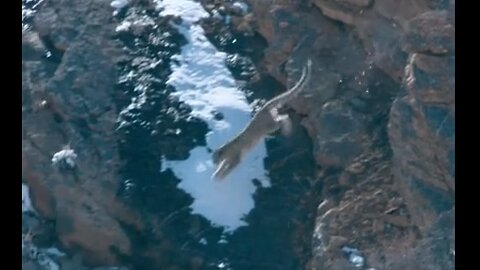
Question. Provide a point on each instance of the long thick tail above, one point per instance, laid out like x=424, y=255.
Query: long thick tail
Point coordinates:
x=306, y=73
x=281, y=99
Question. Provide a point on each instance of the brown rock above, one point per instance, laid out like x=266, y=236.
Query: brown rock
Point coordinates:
x=424, y=120
x=345, y=14
x=430, y=32
x=422, y=138
x=435, y=65
x=79, y=112
x=336, y=242
x=41, y=195
x=358, y=3
x=89, y=227
x=32, y=46
x=30, y=265
x=430, y=78
x=399, y=221
x=62, y=25
x=400, y=39
x=401, y=11
x=341, y=138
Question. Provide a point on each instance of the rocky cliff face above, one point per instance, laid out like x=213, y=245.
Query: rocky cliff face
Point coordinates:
x=72, y=146
x=395, y=161
x=60, y=94
x=380, y=112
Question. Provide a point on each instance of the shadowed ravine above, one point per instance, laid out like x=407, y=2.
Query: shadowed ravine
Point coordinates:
x=158, y=124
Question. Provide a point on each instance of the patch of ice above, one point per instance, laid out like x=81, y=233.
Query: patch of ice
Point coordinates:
x=202, y=81
x=241, y=6
x=123, y=27
x=354, y=256
x=203, y=241
x=119, y=4
x=26, y=202
x=223, y=241
x=54, y=252
x=46, y=262
x=67, y=156
x=135, y=22
x=356, y=260
x=190, y=11
x=222, y=265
